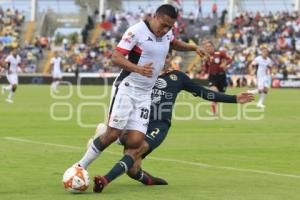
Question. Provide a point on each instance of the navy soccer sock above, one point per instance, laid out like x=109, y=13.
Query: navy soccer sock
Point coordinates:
x=120, y=167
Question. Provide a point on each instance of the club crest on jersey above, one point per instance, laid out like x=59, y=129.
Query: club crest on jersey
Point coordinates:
x=160, y=83
x=129, y=37
x=217, y=60
x=173, y=77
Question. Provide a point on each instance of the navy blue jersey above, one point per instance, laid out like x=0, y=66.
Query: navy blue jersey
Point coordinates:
x=166, y=89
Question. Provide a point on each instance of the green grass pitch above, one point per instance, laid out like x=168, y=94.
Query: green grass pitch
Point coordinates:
x=201, y=159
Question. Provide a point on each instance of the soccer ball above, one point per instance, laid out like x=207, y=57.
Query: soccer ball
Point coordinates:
x=76, y=179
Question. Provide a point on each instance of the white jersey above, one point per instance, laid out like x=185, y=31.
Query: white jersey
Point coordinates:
x=143, y=47
x=263, y=65
x=56, y=61
x=13, y=63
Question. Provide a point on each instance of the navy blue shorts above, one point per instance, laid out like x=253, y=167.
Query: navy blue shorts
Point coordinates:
x=156, y=134
x=219, y=81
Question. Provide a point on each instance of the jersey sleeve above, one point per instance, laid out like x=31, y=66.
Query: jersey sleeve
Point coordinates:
x=255, y=61
x=128, y=41
x=190, y=86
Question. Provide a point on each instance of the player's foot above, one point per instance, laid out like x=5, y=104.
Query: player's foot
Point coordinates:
x=213, y=114
x=259, y=105
x=2, y=90
x=99, y=183
x=9, y=101
x=154, y=180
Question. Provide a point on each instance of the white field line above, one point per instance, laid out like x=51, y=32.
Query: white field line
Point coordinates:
x=184, y=162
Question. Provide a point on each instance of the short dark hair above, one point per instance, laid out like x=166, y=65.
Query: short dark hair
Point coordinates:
x=167, y=9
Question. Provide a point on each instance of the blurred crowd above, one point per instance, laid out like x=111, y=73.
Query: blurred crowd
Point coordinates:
x=279, y=32
x=11, y=26
x=242, y=39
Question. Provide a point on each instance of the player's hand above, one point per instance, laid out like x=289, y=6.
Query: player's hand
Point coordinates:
x=244, y=97
x=202, y=53
x=224, y=66
x=147, y=70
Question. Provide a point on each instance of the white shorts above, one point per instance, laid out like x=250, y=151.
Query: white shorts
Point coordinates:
x=129, y=109
x=12, y=79
x=263, y=82
x=57, y=75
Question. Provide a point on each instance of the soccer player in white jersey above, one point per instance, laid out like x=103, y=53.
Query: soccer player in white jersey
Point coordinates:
x=56, y=71
x=12, y=63
x=263, y=75
x=146, y=45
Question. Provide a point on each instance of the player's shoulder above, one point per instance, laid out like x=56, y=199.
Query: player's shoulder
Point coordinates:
x=8, y=57
x=222, y=52
x=138, y=27
x=179, y=74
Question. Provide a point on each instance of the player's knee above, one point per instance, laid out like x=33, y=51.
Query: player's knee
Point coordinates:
x=110, y=136
x=134, y=141
x=14, y=88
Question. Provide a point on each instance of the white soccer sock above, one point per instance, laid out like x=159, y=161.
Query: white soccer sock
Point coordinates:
x=261, y=98
x=52, y=86
x=56, y=83
x=90, y=155
x=8, y=88
x=11, y=94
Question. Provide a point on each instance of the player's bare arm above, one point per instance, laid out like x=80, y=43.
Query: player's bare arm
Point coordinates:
x=183, y=46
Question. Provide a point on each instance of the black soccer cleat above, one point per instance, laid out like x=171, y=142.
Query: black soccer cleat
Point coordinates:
x=99, y=183
x=154, y=180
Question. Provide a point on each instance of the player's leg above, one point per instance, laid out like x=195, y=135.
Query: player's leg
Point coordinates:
x=120, y=109
x=221, y=85
x=100, y=130
x=156, y=134
x=8, y=87
x=98, y=145
x=55, y=83
x=134, y=142
x=262, y=89
x=136, y=172
x=137, y=125
x=214, y=105
x=12, y=93
x=13, y=80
